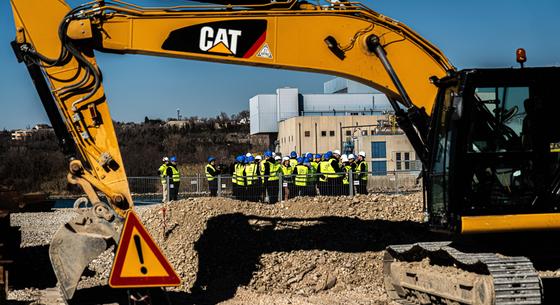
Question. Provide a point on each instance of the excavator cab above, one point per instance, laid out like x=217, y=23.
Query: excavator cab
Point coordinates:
x=495, y=156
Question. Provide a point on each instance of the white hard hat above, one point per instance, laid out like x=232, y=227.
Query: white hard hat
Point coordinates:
x=362, y=153
x=351, y=156
x=285, y=159
x=165, y=159
x=336, y=152
x=277, y=158
x=248, y=155
x=258, y=157
x=273, y=154
x=344, y=158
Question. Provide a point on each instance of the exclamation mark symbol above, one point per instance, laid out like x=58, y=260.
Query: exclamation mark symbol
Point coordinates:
x=139, y=250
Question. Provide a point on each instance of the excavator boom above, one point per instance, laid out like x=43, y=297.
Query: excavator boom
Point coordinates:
x=57, y=43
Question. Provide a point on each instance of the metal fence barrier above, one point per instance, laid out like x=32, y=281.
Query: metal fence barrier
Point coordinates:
x=272, y=189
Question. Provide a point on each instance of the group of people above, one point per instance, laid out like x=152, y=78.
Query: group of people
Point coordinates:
x=254, y=178
x=328, y=174
x=170, y=178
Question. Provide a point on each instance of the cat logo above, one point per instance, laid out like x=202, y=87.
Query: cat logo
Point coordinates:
x=241, y=38
x=220, y=41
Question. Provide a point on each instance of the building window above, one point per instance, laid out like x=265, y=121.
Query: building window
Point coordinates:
x=331, y=133
x=307, y=133
x=364, y=132
x=348, y=132
x=402, y=161
x=323, y=133
x=373, y=132
x=379, y=168
x=378, y=149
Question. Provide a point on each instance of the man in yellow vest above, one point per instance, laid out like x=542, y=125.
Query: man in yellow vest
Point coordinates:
x=259, y=185
x=345, y=167
x=287, y=170
x=212, y=176
x=234, y=186
x=334, y=175
x=301, y=171
x=175, y=181
x=270, y=176
x=252, y=177
x=240, y=178
x=322, y=169
x=162, y=172
x=362, y=173
x=313, y=168
x=293, y=159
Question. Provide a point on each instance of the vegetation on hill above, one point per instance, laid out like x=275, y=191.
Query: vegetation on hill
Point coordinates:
x=38, y=164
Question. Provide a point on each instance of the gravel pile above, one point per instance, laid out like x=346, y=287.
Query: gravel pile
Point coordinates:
x=302, y=251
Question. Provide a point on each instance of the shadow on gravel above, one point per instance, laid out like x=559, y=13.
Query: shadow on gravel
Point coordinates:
x=32, y=268
x=230, y=247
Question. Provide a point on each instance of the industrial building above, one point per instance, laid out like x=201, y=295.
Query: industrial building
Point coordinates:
x=347, y=116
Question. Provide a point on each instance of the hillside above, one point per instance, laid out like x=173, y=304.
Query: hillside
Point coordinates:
x=37, y=163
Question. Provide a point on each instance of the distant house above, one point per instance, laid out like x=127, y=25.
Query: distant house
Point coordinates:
x=42, y=127
x=21, y=134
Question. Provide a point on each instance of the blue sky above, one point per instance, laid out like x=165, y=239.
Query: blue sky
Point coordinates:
x=471, y=33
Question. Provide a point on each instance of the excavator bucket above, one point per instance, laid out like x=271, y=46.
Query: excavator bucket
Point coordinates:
x=80, y=241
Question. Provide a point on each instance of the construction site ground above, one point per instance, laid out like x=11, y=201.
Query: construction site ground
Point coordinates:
x=321, y=250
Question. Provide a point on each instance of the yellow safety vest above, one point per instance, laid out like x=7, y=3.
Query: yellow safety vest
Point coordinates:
x=330, y=173
x=362, y=170
x=287, y=172
x=251, y=173
x=162, y=173
x=348, y=171
x=301, y=177
x=324, y=167
x=239, y=170
x=274, y=170
x=313, y=171
x=176, y=175
x=208, y=175
x=234, y=176
x=293, y=163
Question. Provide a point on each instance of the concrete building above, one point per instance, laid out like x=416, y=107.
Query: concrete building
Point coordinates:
x=350, y=117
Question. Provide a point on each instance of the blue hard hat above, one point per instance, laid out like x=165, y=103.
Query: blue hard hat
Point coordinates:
x=268, y=154
x=318, y=156
x=173, y=159
x=210, y=159
x=328, y=154
x=293, y=154
x=309, y=156
x=239, y=159
x=306, y=160
x=251, y=159
x=299, y=160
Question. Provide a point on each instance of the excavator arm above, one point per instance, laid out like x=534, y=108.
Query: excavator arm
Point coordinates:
x=57, y=44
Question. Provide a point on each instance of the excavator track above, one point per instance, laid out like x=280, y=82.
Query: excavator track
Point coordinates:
x=458, y=278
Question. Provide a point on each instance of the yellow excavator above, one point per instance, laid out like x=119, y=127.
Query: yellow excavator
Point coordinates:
x=490, y=177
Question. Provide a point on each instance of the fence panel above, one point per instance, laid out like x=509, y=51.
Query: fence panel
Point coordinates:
x=261, y=189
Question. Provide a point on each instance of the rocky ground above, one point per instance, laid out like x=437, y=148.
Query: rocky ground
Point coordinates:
x=322, y=250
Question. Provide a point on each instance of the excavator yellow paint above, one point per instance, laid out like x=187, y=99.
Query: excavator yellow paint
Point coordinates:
x=301, y=36
x=510, y=223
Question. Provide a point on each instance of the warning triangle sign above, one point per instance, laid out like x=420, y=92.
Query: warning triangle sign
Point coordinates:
x=139, y=262
x=265, y=52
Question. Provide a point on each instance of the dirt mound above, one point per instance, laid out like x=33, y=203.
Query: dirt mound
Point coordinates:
x=322, y=250
x=302, y=247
